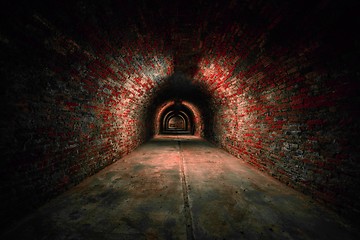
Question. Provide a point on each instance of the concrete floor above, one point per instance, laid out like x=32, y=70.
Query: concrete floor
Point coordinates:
x=181, y=187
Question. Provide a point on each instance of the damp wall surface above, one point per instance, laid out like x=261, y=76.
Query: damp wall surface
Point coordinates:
x=275, y=84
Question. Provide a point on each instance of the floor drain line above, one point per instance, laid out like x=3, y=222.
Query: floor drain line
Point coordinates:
x=187, y=211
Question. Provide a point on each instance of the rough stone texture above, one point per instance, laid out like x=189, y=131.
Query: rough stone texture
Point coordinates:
x=275, y=83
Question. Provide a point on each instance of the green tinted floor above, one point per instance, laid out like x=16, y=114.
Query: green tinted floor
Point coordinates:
x=181, y=187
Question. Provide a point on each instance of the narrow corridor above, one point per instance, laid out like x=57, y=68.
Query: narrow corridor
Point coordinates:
x=181, y=187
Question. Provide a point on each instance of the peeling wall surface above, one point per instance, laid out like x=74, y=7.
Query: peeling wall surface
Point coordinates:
x=275, y=83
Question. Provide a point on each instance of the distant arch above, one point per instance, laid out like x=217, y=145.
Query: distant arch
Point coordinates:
x=188, y=116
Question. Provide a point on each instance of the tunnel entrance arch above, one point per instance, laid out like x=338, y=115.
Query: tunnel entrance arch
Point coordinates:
x=176, y=121
x=178, y=117
x=190, y=113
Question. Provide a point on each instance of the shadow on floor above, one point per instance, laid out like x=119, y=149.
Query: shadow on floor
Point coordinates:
x=182, y=187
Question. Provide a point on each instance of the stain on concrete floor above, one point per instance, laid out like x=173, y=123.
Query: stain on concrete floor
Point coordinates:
x=181, y=187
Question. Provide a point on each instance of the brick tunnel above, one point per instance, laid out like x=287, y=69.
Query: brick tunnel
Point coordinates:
x=180, y=119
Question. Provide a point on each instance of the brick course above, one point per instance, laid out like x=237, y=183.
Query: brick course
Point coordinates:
x=274, y=86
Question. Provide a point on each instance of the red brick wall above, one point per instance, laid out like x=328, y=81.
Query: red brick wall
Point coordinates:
x=285, y=99
x=69, y=107
x=275, y=84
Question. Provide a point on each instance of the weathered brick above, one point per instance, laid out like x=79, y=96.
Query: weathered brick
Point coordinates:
x=80, y=92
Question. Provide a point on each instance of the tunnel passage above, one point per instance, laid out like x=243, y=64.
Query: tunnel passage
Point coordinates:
x=275, y=83
x=177, y=119
x=175, y=122
x=180, y=96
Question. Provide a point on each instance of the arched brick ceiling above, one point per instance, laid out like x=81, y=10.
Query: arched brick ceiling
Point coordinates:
x=275, y=83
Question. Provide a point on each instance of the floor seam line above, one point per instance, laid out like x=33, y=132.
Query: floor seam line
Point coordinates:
x=187, y=211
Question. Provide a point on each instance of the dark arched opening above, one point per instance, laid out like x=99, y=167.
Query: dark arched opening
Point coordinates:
x=177, y=119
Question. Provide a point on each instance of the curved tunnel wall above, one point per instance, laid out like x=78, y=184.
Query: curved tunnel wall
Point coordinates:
x=84, y=84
